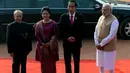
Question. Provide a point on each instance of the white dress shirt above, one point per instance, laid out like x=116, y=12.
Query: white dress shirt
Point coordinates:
x=113, y=32
x=72, y=15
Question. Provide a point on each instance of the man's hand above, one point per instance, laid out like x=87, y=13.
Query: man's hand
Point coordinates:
x=71, y=39
x=12, y=55
x=99, y=47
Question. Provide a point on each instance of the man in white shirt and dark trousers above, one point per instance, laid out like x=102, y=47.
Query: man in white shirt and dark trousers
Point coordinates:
x=106, y=39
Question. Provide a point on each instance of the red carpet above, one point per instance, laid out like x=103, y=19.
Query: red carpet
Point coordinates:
x=86, y=66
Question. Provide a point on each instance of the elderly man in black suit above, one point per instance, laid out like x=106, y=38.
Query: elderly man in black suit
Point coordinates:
x=19, y=42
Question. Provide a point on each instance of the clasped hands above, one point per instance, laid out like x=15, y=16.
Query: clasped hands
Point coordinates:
x=46, y=45
x=99, y=47
x=71, y=39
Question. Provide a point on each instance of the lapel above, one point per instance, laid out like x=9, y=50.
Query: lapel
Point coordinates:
x=68, y=18
x=75, y=18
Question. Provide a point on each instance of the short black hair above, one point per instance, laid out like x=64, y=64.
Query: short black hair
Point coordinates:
x=76, y=5
x=46, y=8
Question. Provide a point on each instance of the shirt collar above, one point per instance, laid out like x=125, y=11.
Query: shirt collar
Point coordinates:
x=18, y=22
x=72, y=15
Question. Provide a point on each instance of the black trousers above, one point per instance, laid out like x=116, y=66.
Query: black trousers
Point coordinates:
x=19, y=59
x=75, y=52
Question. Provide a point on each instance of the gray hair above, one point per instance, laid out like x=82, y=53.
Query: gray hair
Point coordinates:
x=17, y=11
x=107, y=5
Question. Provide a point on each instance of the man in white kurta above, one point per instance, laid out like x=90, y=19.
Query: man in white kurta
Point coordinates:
x=105, y=39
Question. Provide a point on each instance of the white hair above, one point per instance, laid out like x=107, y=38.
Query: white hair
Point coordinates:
x=17, y=11
x=107, y=5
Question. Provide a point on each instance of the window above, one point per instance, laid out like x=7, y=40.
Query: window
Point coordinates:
x=50, y=3
x=41, y=3
x=125, y=0
x=85, y=3
x=42, y=0
x=16, y=3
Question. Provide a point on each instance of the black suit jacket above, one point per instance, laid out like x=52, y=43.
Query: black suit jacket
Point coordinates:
x=19, y=38
x=67, y=29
